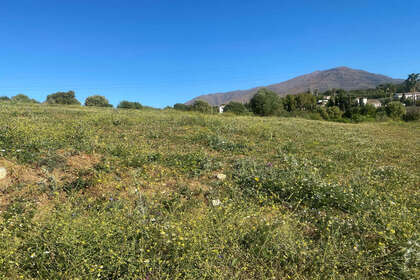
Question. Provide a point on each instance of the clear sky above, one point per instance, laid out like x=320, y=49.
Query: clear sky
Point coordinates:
x=160, y=52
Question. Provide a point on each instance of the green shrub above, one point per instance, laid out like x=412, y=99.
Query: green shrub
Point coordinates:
x=21, y=98
x=236, y=108
x=395, y=110
x=201, y=106
x=129, y=105
x=63, y=98
x=266, y=103
x=97, y=101
x=413, y=114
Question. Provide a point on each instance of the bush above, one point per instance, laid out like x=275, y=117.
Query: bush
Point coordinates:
x=266, y=103
x=413, y=114
x=181, y=107
x=201, y=106
x=322, y=111
x=21, y=98
x=97, y=101
x=64, y=98
x=236, y=108
x=395, y=110
x=368, y=110
x=334, y=113
x=4, y=99
x=129, y=105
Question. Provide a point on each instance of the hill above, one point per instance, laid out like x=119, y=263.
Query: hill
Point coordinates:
x=99, y=193
x=340, y=77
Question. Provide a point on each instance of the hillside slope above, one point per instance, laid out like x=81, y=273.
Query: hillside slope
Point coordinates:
x=340, y=77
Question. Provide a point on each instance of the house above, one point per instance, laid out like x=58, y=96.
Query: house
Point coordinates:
x=324, y=100
x=408, y=95
x=374, y=102
x=221, y=108
x=361, y=100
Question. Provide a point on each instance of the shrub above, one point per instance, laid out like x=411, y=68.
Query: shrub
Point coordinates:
x=413, y=114
x=395, y=110
x=201, y=106
x=129, y=105
x=236, y=108
x=334, y=112
x=97, y=101
x=266, y=103
x=21, y=98
x=64, y=98
x=368, y=110
x=182, y=107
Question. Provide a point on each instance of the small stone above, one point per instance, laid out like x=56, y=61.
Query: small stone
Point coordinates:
x=221, y=176
x=216, y=202
x=3, y=173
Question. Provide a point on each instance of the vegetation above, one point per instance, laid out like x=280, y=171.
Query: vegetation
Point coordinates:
x=97, y=101
x=266, y=103
x=20, y=98
x=129, y=105
x=63, y=98
x=134, y=194
x=236, y=108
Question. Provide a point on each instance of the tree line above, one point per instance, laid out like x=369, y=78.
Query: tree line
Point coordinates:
x=69, y=98
x=342, y=105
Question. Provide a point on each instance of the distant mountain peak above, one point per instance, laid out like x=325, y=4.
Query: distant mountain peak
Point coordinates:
x=339, y=77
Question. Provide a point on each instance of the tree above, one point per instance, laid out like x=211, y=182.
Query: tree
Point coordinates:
x=129, y=105
x=266, y=103
x=289, y=103
x=22, y=98
x=181, y=107
x=201, y=106
x=412, y=82
x=97, y=101
x=395, y=110
x=4, y=98
x=305, y=101
x=236, y=108
x=64, y=98
x=334, y=112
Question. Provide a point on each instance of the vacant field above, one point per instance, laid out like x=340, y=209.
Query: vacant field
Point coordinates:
x=120, y=194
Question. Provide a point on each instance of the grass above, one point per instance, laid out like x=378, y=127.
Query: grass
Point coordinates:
x=123, y=194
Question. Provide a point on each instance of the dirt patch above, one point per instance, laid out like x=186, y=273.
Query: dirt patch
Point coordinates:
x=82, y=161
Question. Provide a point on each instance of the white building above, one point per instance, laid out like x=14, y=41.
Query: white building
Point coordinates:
x=408, y=95
x=221, y=108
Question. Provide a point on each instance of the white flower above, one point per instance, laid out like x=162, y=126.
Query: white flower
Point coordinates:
x=216, y=202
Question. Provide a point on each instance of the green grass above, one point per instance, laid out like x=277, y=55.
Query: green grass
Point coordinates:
x=123, y=194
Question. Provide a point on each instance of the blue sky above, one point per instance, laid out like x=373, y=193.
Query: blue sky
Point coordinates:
x=162, y=52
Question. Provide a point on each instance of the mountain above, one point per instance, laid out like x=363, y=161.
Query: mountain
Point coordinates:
x=340, y=77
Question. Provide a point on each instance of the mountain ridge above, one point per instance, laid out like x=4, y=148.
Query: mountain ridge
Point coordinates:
x=339, y=77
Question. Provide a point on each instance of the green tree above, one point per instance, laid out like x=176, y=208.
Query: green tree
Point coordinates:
x=22, y=98
x=412, y=82
x=395, y=110
x=305, y=101
x=64, y=98
x=236, y=108
x=97, y=101
x=266, y=103
x=289, y=103
x=201, y=106
x=182, y=107
x=4, y=98
x=129, y=105
x=334, y=112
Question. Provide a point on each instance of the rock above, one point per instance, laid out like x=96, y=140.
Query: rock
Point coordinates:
x=216, y=202
x=221, y=176
x=3, y=173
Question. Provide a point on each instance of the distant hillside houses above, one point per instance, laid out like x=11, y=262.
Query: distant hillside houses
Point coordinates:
x=408, y=95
